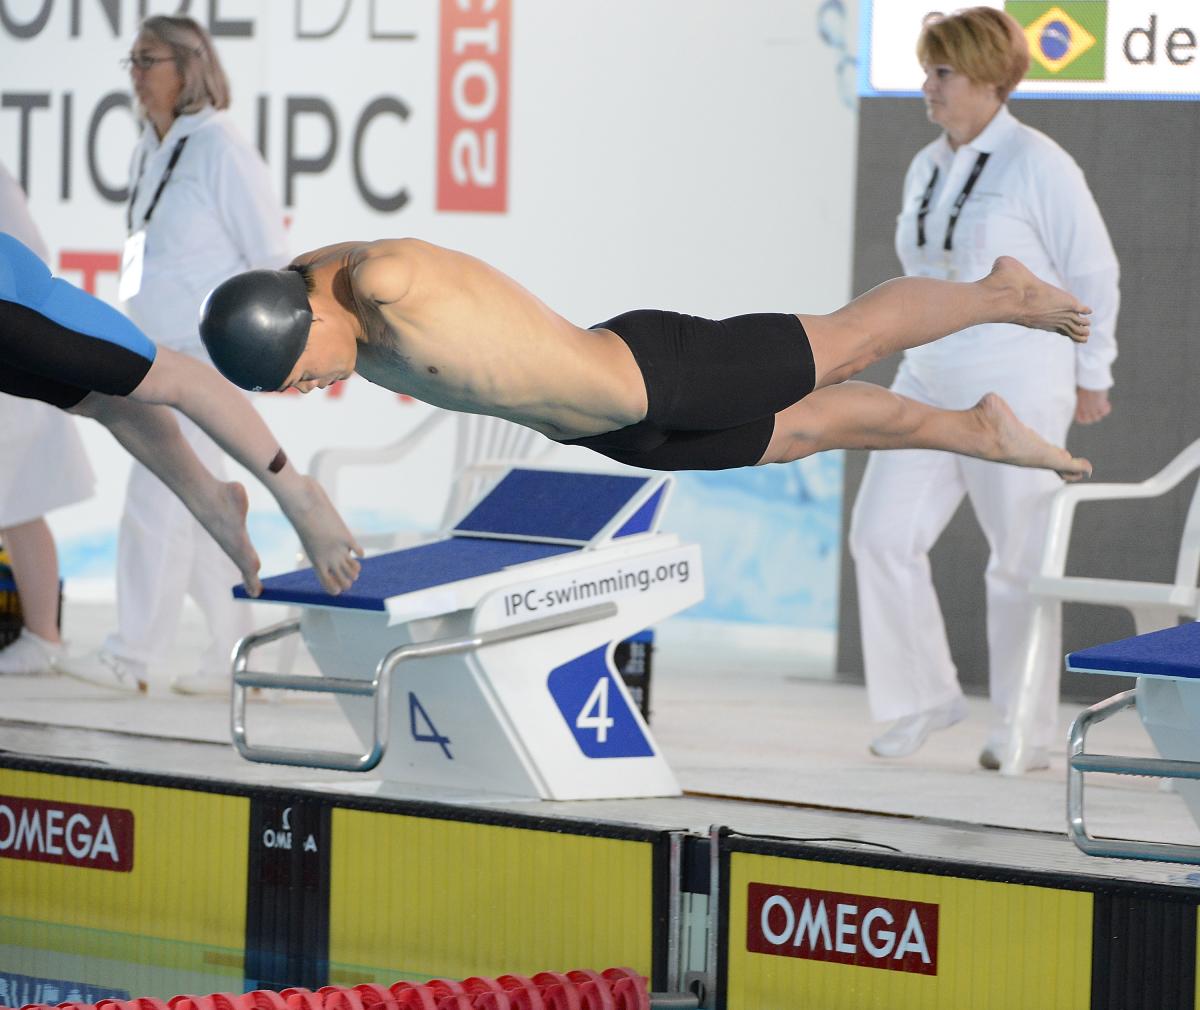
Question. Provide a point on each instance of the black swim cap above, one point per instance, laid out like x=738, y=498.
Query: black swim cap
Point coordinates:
x=255, y=326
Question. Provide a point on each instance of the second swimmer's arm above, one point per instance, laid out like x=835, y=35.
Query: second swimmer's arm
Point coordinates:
x=228, y=417
x=150, y=433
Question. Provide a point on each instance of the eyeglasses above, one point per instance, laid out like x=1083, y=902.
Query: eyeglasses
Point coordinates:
x=143, y=61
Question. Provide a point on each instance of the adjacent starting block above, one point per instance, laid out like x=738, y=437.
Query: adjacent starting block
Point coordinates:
x=488, y=653
x=1167, y=697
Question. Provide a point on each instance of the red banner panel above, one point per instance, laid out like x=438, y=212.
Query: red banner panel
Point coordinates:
x=473, y=87
x=97, y=838
x=858, y=929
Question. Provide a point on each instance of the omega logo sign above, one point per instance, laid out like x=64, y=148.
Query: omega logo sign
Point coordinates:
x=97, y=838
x=854, y=929
x=282, y=838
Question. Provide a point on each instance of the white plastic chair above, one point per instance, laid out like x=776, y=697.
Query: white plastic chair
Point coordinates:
x=1154, y=605
x=477, y=439
x=484, y=449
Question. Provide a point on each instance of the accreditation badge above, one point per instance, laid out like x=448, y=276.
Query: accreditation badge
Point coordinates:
x=133, y=258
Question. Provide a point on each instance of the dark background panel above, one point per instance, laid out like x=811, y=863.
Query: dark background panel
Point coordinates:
x=1139, y=161
x=1143, y=953
x=287, y=902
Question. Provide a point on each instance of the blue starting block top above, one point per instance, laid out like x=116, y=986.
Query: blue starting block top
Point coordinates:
x=1172, y=652
x=407, y=571
x=529, y=515
x=560, y=506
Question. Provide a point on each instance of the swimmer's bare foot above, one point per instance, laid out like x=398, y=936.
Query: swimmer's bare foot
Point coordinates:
x=1010, y=441
x=226, y=522
x=1040, y=305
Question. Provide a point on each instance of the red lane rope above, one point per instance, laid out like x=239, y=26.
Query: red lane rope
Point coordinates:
x=580, y=989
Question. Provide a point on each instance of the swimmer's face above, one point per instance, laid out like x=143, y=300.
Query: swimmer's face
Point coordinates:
x=327, y=357
x=156, y=80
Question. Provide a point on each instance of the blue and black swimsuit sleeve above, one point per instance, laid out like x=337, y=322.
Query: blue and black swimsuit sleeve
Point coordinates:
x=57, y=343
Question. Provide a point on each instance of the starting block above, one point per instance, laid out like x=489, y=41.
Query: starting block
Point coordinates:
x=1167, y=698
x=487, y=653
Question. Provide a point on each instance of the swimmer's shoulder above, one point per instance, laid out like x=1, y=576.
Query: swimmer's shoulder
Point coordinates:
x=383, y=271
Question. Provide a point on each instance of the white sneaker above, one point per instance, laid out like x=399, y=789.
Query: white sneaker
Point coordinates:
x=210, y=684
x=106, y=670
x=905, y=736
x=992, y=756
x=29, y=654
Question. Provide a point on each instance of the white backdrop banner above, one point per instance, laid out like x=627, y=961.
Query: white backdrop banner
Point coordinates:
x=608, y=155
x=1119, y=49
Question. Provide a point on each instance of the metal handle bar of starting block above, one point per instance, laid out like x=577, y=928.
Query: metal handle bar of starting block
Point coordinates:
x=378, y=688
x=1079, y=763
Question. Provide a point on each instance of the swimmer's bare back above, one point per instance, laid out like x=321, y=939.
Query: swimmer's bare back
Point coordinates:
x=451, y=330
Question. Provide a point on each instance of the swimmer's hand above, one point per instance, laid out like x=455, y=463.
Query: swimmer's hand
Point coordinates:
x=327, y=541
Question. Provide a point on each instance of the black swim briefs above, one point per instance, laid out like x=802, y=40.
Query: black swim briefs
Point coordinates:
x=713, y=387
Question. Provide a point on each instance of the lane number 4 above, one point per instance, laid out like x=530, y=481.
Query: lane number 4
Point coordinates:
x=422, y=727
x=594, y=714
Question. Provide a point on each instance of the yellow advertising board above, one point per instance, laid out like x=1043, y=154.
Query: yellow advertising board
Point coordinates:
x=414, y=896
x=114, y=861
x=809, y=934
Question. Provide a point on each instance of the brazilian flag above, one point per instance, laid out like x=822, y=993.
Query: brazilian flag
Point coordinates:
x=1067, y=41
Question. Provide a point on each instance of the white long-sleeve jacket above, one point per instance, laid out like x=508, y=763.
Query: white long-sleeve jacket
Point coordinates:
x=1030, y=201
x=217, y=216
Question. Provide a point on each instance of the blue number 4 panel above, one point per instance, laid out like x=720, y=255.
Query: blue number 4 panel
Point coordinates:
x=586, y=693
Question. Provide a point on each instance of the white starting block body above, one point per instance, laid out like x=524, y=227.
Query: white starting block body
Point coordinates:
x=1167, y=698
x=489, y=651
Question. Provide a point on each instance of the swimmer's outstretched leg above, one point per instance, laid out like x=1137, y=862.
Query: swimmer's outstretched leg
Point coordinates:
x=910, y=311
x=859, y=415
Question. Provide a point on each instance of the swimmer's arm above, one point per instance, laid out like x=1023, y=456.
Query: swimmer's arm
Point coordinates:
x=150, y=434
x=226, y=415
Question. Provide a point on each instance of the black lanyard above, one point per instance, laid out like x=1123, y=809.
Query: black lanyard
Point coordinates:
x=948, y=244
x=162, y=184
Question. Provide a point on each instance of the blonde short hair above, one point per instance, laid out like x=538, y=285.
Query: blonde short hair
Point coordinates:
x=985, y=44
x=204, y=80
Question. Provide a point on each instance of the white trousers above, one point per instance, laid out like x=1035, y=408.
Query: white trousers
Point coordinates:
x=906, y=499
x=163, y=555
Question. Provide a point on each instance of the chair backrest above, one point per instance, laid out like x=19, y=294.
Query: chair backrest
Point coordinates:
x=494, y=442
x=482, y=438
x=1187, y=567
x=476, y=439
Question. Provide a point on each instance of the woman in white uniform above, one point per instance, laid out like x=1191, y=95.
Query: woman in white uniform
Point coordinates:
x=201, y=209
x=30, y=434
x=988, y=186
